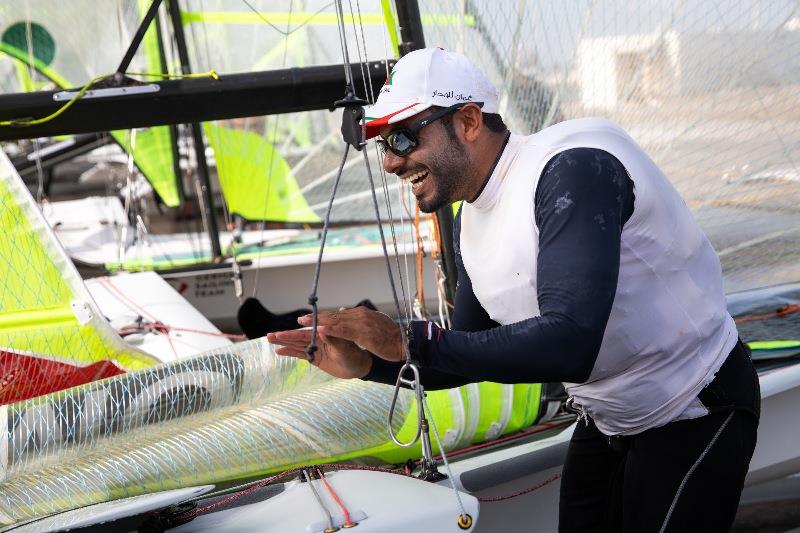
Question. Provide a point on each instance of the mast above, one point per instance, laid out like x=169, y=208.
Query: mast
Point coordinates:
x=413, y=38
x=173, y=129
x=197, y=136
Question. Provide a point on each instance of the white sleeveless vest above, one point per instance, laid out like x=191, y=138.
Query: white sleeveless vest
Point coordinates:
x=669, y=330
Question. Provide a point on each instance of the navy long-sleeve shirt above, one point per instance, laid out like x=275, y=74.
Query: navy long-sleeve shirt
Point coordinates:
x=577, y=271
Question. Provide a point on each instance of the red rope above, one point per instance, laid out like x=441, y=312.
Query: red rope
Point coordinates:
x=335, y=497
x=488, y=444
x=158, y=325
x=783, y=311
x=133, y=305
x=519, y=493
x=264, y=482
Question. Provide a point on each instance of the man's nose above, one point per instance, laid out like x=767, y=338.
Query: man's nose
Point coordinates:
x=392, y=162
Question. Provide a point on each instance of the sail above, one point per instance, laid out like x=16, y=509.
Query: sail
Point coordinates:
x=305, y=149
x=56, y=48
x=52, y=334
x=224, y=414
x=256, y=180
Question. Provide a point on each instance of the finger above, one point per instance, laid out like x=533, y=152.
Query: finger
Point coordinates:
x=292, y=352
x=324, y=317
x=293, y=335
x=341, y=331
x=332, y=317
x=293, y=346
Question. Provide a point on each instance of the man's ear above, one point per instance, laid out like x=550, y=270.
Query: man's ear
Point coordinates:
x=470, y=121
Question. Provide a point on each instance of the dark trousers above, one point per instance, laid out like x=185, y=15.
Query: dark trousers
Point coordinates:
x=670, y=478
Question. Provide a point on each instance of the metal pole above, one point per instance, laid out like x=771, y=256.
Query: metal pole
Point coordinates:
x=197, y=136
x=137, y=39
x=412, y=38
x=173, y=129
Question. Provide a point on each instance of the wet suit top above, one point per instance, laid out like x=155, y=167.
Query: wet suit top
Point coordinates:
x=577, y=270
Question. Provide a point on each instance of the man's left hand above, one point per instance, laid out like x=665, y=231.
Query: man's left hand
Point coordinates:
x=372, y=330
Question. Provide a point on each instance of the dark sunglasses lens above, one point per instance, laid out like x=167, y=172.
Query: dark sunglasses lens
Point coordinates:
x=401, y=142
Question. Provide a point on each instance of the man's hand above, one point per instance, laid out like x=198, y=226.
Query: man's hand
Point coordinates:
x=368, y=329
x=337, y=357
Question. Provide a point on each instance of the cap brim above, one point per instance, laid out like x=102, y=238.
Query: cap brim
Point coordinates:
x=383, y=114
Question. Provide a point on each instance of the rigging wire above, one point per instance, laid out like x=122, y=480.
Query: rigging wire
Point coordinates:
x=287, y=32
x=450, y=475
x=272, y=153
x=364, y=75
x=31, y=74
x=312, y=298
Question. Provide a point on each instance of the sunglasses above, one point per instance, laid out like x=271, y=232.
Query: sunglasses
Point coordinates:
x=403, y=141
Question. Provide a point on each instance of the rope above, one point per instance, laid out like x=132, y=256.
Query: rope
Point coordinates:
x=336, y=499
x=692, y=469
x=783, y=311
x=231, y=336
x=488, y=499
x=82, y=91
x=316, y=497
x=312, y=298
x=130, y=303
x=281, y=475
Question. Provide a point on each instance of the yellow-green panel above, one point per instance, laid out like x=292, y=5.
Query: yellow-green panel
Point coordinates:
x=152, y=153
x=36, y=298
x=256, y=180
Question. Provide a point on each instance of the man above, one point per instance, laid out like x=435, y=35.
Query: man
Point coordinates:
x=577, y=262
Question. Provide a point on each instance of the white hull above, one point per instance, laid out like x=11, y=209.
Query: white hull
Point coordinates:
x=123, y=299
x=284, y=283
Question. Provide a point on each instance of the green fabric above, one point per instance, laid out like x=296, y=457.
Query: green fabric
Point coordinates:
x=774, y=345
x=42, y=45
x=524, y=413
x=306, y=242
x=391, y=26
x=256, y=180
x=152, y=154
x=37, y=64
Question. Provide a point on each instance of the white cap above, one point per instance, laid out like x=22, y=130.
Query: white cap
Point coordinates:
x=428, y=77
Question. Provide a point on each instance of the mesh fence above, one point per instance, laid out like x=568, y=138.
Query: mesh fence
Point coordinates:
x=709, y=89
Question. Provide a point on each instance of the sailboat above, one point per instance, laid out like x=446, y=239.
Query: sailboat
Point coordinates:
x=174, y=453
x=269, y=170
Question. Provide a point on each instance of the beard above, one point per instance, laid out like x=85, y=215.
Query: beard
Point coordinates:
x=447, y=169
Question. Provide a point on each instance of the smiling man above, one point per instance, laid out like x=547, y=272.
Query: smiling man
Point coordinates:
x=577, y=262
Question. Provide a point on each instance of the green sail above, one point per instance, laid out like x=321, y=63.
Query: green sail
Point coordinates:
x=55, y=56
x=44, y=307
x=256, y=180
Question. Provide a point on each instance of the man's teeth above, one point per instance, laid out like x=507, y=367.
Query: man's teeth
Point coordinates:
x=419, y=176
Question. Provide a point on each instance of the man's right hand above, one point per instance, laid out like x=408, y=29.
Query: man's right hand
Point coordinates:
x=338, y=357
